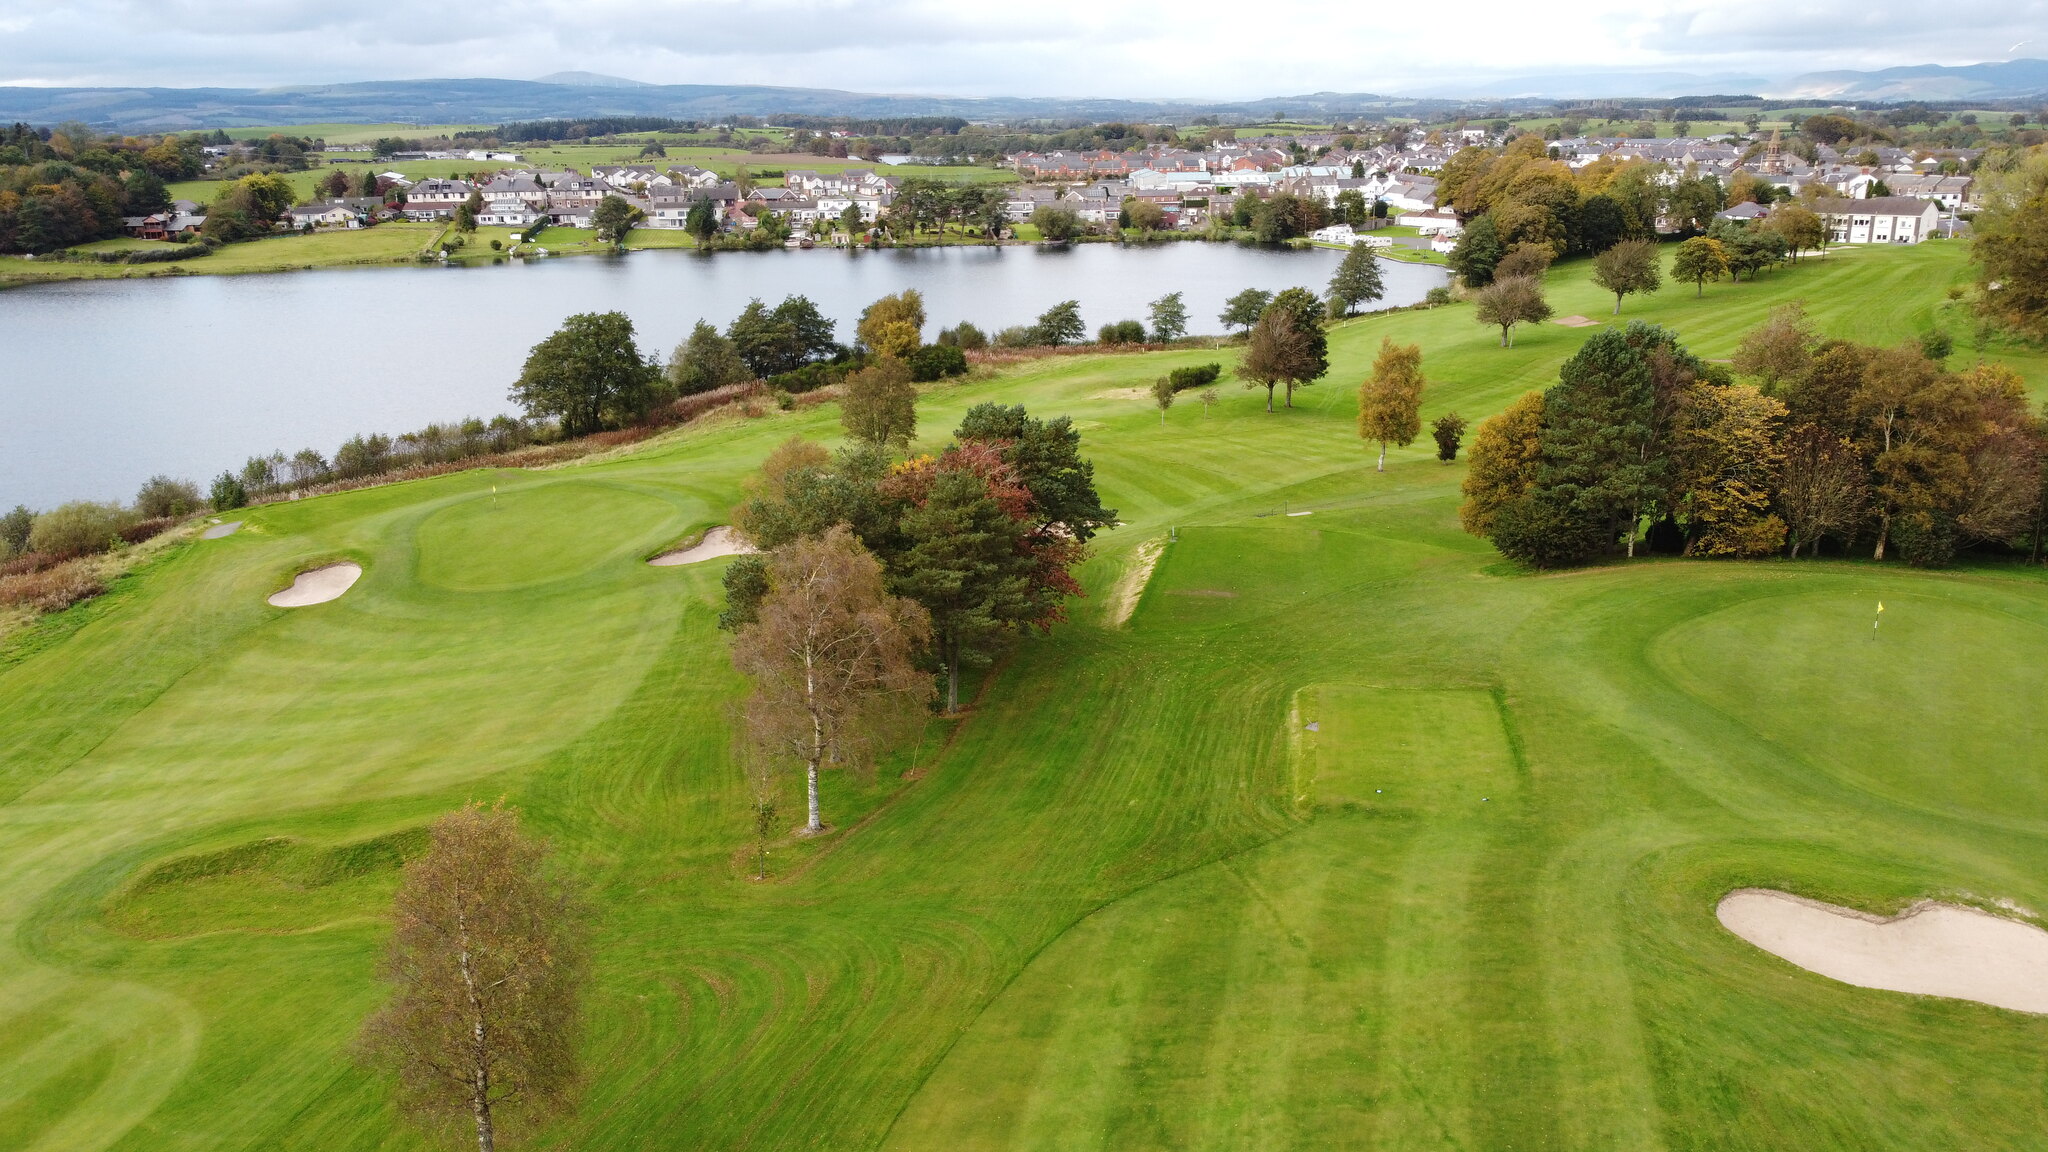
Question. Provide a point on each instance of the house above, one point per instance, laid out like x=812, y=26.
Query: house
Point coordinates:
x=436, y=199
x=1444, y=242
x=329, y=214
x=1745, y=211
x=1431, y=223
x=508, y=188
x=512, y=213
x=1951, y=192
x=574, y=201
x=1879, y=220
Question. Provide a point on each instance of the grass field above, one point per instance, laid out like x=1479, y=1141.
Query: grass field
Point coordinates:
x=1132, y=900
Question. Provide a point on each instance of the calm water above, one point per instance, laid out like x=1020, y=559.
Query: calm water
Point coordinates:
x=103, y=384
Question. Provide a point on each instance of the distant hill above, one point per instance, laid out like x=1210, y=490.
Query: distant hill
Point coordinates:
x=2007, y=80
x=590, y=80
x=573, y=94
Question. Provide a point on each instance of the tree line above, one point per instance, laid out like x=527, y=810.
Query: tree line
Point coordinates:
x=1806, y=442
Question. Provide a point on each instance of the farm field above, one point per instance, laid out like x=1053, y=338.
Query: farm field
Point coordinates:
x=1352, y=836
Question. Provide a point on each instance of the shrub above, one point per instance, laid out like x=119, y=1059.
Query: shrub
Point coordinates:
x=1122, y=332
x=51, y=589
x=162, y=496
x=809, y=377
x=80, y=528
x=1198, y=376
x=1018, y=336
x=934, y=361
x=1543, y=533
x=142, y=530
x=1438, y=296
x=228, y=492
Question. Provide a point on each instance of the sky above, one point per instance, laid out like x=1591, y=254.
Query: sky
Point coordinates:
x=1215, y=49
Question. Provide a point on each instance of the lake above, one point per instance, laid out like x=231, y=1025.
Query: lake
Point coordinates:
x=104, y=383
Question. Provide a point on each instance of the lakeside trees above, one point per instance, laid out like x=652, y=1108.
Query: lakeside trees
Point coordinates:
x=1169, y=318
x=486, y=963
x=1357, y=281
x=1510, y=302
x=589, y=375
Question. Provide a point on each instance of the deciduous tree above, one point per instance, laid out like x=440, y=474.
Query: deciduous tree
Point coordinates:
x=1822, y=489
x=2010, y=243
x=1288, y=346
x=589, y=375
x=1699, y=260
x=1510, y=302
x=705, y=361
x=1244, y=309
x=1779, y=350
x=832, y=657
x=486, y=962
x=1506, y=452
x=880, y=405
x=1169, y=318
x=1390, y=400
x=1627, y=267
x=1061, y=324
x=1727, y=455
x=1448, y=430
x=893, y=325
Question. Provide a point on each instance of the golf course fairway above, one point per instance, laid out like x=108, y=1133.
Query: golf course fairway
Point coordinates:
x=1329, y=831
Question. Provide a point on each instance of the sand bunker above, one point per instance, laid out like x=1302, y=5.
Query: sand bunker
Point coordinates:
x=1929, y=949
x=220, y=530
x=1123, y=599
x=318, y=586
x=1578, y=322
x=720, y=541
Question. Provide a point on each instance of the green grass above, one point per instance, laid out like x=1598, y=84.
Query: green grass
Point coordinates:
x=390, y=243
x=1130, y=900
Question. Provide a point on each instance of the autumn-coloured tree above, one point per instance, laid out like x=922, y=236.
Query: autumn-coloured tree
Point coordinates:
x=893, y=325
x=485, y=962
x=880, y=404
x=1699, y=260
x=1508, y=302
x=1801, y=229
x=1525, y=259
x=1917, y=425
x=1627, y=267
x=1506, y=452
x=2003, y=497
x=2010, y=243
x=1390, y=400
x=1727, y=457
x=832, y=658
x=1287, y=345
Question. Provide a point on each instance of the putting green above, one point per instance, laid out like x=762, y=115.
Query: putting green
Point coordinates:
x=534, y=534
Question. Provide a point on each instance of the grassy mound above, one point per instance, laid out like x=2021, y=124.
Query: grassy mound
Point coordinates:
x=1131, y=900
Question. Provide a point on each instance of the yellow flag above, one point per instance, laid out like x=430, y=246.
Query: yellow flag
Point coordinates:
x=1880, y=606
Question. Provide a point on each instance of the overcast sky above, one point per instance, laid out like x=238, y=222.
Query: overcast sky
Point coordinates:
x=1208, y=48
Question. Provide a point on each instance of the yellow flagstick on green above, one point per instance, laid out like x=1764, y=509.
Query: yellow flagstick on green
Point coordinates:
x=1874, y=620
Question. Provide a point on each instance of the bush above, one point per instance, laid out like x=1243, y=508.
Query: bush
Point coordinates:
x=228, y=492
x=1121, y=332
x=810, y=377
x=81, y=528
x=1543, y=533
x=162, y=496
x=51, y=589
x=1019, y=336
x=142, y=530
x=1200, y=376
x=934, y=361
x=1438, y=296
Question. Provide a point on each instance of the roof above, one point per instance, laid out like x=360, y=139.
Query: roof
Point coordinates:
x=1877, y=206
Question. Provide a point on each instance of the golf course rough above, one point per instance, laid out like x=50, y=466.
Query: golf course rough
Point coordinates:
x=1130, y=900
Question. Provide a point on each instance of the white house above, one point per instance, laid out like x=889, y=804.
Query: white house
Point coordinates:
x=333, y=214
x=508, y=214
x=1879, y=220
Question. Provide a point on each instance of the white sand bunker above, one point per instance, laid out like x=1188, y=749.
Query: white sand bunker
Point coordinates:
x=220, y=530
x=1929, y=949
x=318, y=586
x=720, y=541
x=1578, y=322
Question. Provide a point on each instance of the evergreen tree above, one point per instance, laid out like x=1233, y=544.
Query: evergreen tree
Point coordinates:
x=1357, y=281
x=1478, y=251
